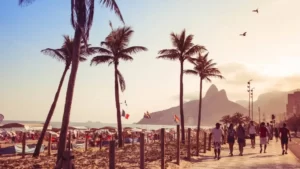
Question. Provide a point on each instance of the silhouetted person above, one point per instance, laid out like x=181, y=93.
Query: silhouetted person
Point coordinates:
x=276, y=134
x=284, y=133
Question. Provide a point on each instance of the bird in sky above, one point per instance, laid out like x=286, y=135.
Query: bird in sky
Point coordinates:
x=256, y=10
x=243, y=34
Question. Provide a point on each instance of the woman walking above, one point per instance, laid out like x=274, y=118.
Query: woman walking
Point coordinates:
x=231, y=138
x=276, y=134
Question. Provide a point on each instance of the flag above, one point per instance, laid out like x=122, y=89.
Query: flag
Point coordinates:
x=147, y=115
x=123, y=113
x=126, y=116
x=176, y=118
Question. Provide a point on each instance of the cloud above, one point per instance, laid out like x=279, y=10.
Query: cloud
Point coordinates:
x=240, y=74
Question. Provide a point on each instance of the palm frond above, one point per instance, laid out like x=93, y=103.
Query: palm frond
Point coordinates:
x=73, y=16
x=100, y=50
x=113, y=6
x=82, y=59
x=169, y=57
x=121, y=81
x=90, y=10
x=191, y=72
x=175, y=40
x=25, y=2
x=133, y=49
x=193, y=50
x=55, y=53
x=125, y=57
x=101, y=59
x=188, y=42
x=168, y=51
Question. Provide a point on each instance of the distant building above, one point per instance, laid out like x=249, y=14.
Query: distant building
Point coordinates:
x=293, y=105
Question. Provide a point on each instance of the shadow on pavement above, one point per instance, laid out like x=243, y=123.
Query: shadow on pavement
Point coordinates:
x=272, y=166
x=265, y=156
x=208, y=158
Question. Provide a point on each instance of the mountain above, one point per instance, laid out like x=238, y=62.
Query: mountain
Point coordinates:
x=215, y=104
x=269, y=103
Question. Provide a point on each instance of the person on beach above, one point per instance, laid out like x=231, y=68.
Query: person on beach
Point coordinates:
x=241, y=134
x=276, y=134
x=263, y=133
x=252, y=133
x=269, y=132
x=284, y=133
x=218, y=137
x=230, y=138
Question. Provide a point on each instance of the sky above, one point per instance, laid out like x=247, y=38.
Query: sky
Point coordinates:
x=269, y=55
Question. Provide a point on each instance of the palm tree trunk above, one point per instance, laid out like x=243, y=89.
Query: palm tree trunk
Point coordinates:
x=50, y=114
x=181, y=103
x=199, y=117
x=69, y=94
x=117, y=98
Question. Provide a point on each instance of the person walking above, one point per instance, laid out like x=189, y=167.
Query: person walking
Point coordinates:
x=241, y=134
x=269, y=132
x=230, y=138
x=284, y=133
x=252, y=133
x=263, y=133
x=218, y=137
x=276, y=133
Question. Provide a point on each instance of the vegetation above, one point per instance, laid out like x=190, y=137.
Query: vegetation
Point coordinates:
x=205, y=69
x=114, y=49
x=62, y=54
x=183, y=50
x=235, y=119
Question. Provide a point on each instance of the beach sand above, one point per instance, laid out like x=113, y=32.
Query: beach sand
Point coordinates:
x=93, y=158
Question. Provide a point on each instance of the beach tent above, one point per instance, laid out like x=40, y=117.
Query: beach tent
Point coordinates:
x=17, y=149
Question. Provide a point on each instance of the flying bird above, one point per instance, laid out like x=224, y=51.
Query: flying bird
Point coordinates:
x=243, y=34
x=256, y=10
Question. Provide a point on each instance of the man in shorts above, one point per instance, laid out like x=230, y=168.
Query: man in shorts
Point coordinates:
x=263, y=133
x=218, y=137
x=284, y=133
x=252, y=133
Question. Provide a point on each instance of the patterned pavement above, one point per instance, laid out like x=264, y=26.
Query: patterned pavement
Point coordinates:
x=252, y=159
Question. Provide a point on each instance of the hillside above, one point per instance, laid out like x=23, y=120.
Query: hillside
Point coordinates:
x=215, y=105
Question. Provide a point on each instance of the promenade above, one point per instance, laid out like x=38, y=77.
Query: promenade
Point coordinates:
x=252, y=159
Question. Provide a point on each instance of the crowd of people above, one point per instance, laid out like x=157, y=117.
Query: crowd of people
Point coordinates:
x=241, y=132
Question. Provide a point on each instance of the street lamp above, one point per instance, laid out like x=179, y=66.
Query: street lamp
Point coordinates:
x=252, y=101
x=249, y=86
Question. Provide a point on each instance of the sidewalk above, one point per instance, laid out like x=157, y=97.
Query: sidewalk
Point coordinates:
x=252, y=159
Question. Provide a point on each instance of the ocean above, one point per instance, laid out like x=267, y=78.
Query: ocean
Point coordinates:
x=99, y=125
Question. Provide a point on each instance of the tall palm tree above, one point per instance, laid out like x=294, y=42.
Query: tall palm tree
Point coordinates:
x=183, y=49
x=114, y=49
x=205, y=69
x=82, y=14
x=62, y=54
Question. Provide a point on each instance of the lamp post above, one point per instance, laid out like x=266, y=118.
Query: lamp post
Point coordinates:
x=252, y=101
x=249, y=91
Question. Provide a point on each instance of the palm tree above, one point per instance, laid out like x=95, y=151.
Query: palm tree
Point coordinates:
x=82, y=14
x=226, y=119
x=112, y=50
x=183, y=49
x=62, y=54
x=205, y=69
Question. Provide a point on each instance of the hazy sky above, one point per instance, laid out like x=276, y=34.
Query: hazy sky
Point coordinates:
x=269, y=54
